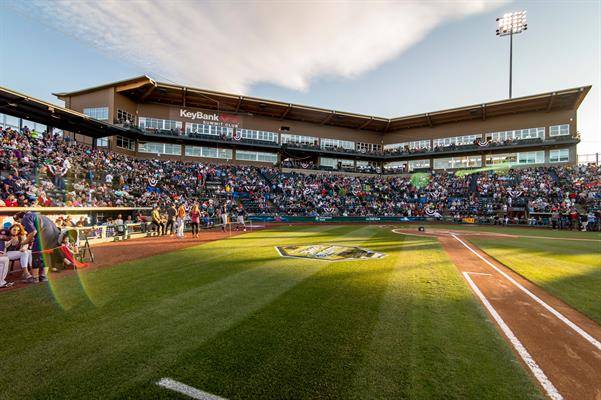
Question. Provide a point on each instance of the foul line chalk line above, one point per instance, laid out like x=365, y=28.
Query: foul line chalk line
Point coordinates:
x=519, y=347
x=553, y=311
x=189, y=391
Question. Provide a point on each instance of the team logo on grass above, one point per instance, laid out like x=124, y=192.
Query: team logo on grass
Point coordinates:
x=328, y=252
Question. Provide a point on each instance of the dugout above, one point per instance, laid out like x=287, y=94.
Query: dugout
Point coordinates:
x=94, y=215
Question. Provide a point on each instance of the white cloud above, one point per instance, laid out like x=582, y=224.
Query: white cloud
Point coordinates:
x=230, y=46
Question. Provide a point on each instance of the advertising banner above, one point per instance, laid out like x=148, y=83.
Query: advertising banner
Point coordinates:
x=196, y=116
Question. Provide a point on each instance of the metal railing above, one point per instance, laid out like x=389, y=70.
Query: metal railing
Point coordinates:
x=104, y=233
x=101, y=233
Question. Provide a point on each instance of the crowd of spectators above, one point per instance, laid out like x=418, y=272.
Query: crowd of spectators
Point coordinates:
x=43, y=170
x=35, y=172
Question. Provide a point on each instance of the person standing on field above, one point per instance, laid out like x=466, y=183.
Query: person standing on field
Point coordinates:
x=574, y=219
x=195, y=220
x=171, y=216
x=210, y=214
x=157, y=222
x=180, y=221
x=240, y=219
x=554, y=220
x=224, y=218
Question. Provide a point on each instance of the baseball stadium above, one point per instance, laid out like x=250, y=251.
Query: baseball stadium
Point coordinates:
x=165, y=241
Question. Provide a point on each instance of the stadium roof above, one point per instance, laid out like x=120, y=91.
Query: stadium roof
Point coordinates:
x=27, y=107
x=144, y=89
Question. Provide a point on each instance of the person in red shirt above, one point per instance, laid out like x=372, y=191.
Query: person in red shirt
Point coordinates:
x=195, y=219
x=11, y=201
x=44, y=201
x=574, y=219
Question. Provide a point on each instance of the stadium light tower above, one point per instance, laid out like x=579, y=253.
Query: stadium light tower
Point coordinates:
x=508, y=25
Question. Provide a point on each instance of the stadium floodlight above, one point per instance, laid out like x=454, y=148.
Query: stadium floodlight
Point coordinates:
x=508, y=25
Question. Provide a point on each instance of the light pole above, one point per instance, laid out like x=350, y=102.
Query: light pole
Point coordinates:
x=508, y=25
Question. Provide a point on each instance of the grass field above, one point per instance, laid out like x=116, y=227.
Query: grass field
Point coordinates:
x=235, y=319
x=570, y=270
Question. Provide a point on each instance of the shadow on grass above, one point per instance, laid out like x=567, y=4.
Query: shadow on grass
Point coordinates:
x=314, y=340
x=306, y=343
x=303, y=336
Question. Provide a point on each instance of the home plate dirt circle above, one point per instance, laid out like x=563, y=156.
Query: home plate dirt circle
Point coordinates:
x=558, y=345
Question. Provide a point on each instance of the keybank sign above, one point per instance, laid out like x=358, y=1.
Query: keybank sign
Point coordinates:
x=198, y=115
x=227, y=120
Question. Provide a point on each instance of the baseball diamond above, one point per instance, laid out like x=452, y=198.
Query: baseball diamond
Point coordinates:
x=177, y=223
x=259, y=325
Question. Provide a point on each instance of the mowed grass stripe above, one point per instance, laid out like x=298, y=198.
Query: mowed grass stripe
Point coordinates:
x=432, y=339
x=300, y=345
x=186, y=309
x=402, y=327
x=340, y=234
x=135, y=282
x=569, y=270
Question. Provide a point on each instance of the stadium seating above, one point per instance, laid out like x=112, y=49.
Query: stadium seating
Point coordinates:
x=50, y=171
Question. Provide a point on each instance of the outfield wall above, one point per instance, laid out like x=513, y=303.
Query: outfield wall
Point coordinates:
x=545, y=222
x=286, y=218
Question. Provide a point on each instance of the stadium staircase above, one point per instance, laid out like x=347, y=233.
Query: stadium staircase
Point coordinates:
x=562, y=182
x=474, y=184
x=554, y=175
x=267, y=177
x=215, y=184
x=249, y=205
x=211, y=187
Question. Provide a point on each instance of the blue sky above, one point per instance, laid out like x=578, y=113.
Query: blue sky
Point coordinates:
x=356, y=59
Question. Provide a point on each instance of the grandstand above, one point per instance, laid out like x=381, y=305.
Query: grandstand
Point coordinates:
x=125, y=170
x=52, y=171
